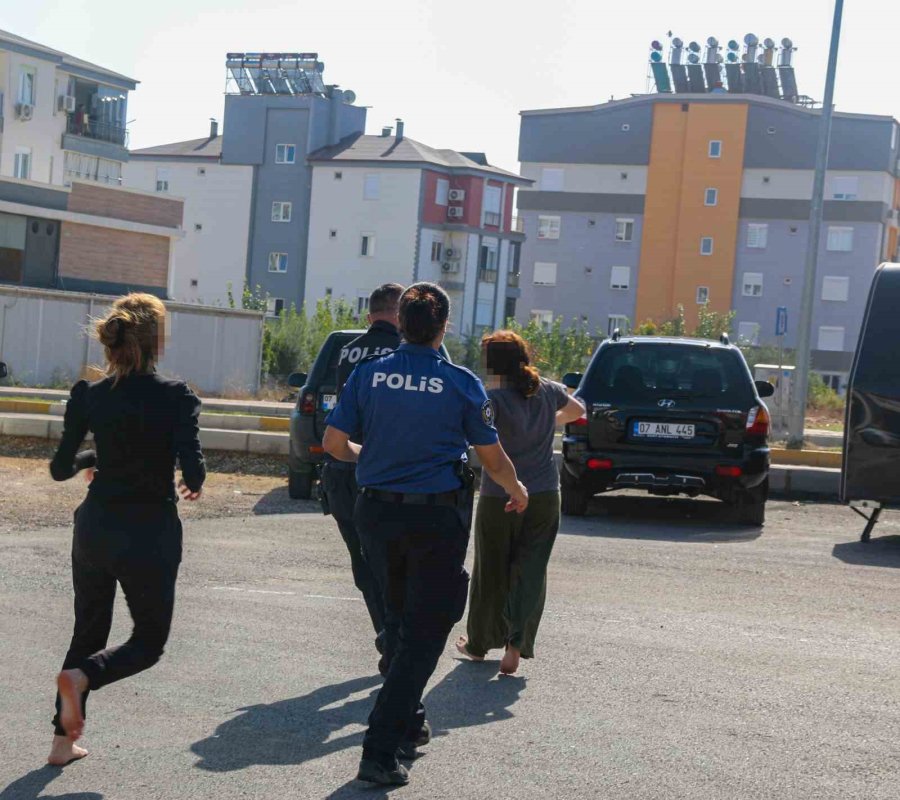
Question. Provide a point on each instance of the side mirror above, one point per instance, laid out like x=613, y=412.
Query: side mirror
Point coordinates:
x=764, y=389
x=297, y=380
x=4, y=372
x=572, y=380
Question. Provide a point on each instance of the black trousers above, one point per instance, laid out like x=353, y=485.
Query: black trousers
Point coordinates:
x=417, y=554
x=340, y=487
x=137, y=545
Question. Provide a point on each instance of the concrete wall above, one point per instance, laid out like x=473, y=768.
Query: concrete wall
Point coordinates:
x=595, y=178
x=43, y=339
x=797, y=184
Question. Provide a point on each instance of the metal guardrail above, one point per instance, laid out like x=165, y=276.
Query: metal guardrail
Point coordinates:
x=92, y=129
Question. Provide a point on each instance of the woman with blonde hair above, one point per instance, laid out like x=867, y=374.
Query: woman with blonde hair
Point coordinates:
x=127, y=530
x=509, y=580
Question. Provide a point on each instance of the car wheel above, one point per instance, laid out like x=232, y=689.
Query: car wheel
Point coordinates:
x=751, y=505
x=574, y=500
x=299, y=485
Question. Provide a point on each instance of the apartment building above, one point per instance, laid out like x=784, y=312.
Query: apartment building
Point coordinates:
x=212, y=255
x=389, y=208
x=661, y=200
x=64, y=220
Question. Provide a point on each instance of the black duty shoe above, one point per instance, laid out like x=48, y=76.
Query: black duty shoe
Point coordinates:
x=408, y=752
x=424, y=736
x=373, y=772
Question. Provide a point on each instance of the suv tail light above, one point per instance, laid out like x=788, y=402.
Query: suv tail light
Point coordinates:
x=758, y=421
x=308, y=404
x=599, y=463
x=581, y=422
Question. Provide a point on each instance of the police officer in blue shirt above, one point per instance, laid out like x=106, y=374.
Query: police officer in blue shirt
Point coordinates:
x=417, y=413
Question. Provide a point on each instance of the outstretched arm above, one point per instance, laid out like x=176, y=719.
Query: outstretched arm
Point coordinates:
x=494, y=460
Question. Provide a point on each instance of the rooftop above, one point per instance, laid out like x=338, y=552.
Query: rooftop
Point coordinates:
x=208, y=147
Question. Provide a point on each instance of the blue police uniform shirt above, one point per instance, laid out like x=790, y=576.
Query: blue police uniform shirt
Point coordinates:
x=417, y=414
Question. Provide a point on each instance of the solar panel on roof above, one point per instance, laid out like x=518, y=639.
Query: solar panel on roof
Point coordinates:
x=680, y=79
x=695, y=78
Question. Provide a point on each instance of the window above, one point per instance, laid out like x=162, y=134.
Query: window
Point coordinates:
x=752, y=284
x=552, y=179
x=548, y=227
x=543, y=318
x=437, y=250
x=845, y=188
x=281, y=211
x=484, y=312
x=26, y=86
x=338, y=175
x=757, y=236
x=544, y=273
x=493, y=197
x=835, y=288
x=198, y=226
x=442, y=192
x=620, y=278
x=332, y=234
x=624, y=230
x=367, y=245
x=162, y=180
x=278, y=262
x=362, y=302
x=706, y=246
x=712, y=197
x=615, y=321
x=840, y=240
x=78, y=166
x=274, y=306
x=371, y=187
x=285, y=153
x=831, y=338
x=22, y=163
x=702, y=295
x=488, y=258
x=748, y=332
x=715, y=148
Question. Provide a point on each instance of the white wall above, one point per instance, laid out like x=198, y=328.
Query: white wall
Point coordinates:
x=219, y=201
x=336, y=263
x=797, y=184
x=595, y=178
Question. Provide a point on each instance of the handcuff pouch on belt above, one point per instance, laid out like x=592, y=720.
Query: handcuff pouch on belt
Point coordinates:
x=466, y=503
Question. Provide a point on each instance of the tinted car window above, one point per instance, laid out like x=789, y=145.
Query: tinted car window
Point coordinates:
x=876, y=370
x=633, y=373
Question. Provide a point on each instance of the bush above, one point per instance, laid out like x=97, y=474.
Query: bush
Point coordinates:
x=558, y=350
x=822, y=397
x=294, y=339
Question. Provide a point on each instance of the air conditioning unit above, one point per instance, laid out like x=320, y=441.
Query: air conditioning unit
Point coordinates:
x=455, y=212
x=24, y=111
x=457, y=195
x=449, y=266
x=452, y=253
x=67, y=103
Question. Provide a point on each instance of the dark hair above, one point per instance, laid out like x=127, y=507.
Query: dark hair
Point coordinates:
x=385, y=299
x=130, y=334
x=506, y=354
x=424, y=309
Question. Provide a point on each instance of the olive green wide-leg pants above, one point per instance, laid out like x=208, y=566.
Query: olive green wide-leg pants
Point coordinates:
x=509, y=581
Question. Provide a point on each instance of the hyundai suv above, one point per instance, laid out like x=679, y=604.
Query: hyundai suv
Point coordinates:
x=669, y=416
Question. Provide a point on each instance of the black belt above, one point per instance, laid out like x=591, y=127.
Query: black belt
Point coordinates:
x=442, y=499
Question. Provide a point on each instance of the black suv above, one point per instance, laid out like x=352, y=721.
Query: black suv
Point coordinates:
x=671, y=416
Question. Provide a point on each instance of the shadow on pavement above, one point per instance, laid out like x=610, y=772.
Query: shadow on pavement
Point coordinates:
x=278, y=502
x=661, y=519
x=883, y=551
x=30, y=786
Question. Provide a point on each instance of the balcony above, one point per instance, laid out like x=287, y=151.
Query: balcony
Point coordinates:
x=90, y=128
x=487, y=275
x=491, y=219
x=518, y=225
x=513, y=280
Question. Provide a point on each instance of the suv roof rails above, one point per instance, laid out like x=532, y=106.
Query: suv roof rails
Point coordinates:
x=724, y=339
x=616, y=335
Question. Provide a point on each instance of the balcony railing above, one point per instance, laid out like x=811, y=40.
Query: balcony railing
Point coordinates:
x=492, y=219
x=513, y=280
x=518, y=225
x=487, y=275
x=101, y=131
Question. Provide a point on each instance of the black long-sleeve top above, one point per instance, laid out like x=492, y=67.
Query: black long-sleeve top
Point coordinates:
x=140, y=427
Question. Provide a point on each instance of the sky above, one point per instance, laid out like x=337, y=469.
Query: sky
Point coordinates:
x=459, y=71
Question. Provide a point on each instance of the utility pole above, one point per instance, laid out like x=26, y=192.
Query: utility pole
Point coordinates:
x=804, y=327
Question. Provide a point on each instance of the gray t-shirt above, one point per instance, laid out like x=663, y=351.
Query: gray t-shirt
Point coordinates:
x=527, y=426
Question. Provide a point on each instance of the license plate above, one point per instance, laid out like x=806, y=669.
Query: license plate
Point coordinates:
x=328, y=402
x=664, y=430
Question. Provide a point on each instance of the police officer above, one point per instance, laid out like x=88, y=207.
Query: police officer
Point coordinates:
x=416, y=413
x=339, y=477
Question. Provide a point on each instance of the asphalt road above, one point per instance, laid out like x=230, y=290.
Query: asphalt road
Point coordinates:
x=680, y=657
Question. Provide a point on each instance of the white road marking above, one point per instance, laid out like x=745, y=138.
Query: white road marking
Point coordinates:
x=287, y=594
x=329, y=597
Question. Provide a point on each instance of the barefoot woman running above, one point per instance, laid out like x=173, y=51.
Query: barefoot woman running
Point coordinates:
x=127, y=529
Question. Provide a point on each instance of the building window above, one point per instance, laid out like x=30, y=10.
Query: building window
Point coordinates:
x=543, y=318
x=706, y=246
x=278, y=262
x=757, y=236
x=620, y=278
x=544, y=273
x=624, y=230
x=437, y=250
x=371, y=187
x=22, y=163
x=715, y=148
x=338, y=175
x=748, y=333
x=548, y=227
x=26, y=86
x=362, y=302
x=332, y=234
x=712, y=197
x=367, y=244
x=552, y=179
x=442, y=192
x=835, y=288
x=274, y=306
x=840, y=240
x=846, y=188
x=752, y=284
x=702, y=295
x=103, y=170
x=281, y=211
x=198, y=226
x=493, y=197
x=484, y=312
x=162, y=180
x=617, y=322
x=285, y=153
x=201, y=171
x=831, y=338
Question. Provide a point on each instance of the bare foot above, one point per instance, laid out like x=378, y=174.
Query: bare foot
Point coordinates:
x=462, y=645
x=64, y=751
x=510, y=662
x=72, y=684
